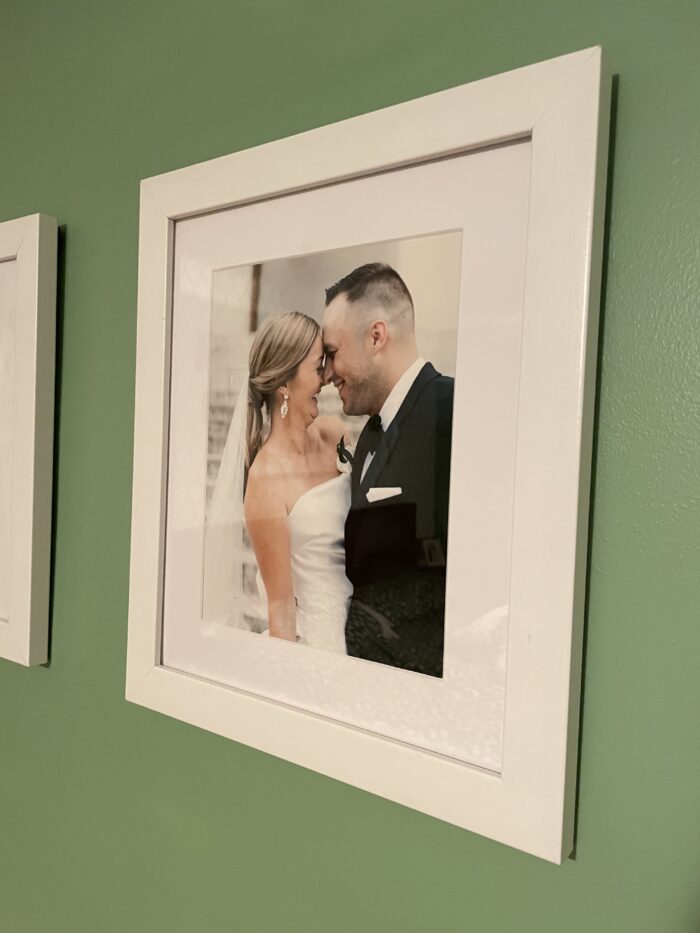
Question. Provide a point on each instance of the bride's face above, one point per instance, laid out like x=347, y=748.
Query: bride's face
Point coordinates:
x=305, y=386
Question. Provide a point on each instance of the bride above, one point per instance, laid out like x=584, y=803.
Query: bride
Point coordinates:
x=295, y=498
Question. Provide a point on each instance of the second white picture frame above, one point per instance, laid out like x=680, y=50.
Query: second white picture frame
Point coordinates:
x=28, y=259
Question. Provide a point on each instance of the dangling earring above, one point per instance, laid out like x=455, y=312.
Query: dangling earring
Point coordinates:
x=284, y=410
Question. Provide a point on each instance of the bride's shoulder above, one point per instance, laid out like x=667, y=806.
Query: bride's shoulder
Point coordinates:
x=267, y=467
x=329, y=429
x=265, y=487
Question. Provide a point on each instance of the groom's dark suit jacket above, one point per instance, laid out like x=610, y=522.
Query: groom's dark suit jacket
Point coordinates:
x=395, y=548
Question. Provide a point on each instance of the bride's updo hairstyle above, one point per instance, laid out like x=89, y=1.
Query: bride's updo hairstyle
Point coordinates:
x=280, y=345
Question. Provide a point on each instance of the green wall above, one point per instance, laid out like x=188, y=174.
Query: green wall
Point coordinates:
x=113, y=818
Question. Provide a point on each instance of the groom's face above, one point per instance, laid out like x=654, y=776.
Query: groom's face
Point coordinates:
x=349, y=359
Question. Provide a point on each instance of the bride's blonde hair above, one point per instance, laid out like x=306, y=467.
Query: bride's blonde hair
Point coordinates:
x=280, y=345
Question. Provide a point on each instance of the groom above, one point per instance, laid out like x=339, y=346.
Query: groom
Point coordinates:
x=396, y=530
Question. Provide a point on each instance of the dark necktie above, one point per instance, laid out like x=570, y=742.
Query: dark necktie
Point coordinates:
x=375, y=432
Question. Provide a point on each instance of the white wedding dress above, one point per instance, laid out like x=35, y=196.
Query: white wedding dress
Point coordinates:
x=321, y=589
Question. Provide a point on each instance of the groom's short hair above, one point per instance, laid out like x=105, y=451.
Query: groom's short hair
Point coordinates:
x=378, y=283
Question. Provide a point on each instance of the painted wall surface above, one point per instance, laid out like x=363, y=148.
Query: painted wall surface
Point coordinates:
x=113, y=818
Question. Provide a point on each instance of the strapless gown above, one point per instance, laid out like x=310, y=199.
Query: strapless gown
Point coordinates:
x=321, y=589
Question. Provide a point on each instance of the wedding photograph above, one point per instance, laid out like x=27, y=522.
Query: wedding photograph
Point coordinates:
x=331, y=384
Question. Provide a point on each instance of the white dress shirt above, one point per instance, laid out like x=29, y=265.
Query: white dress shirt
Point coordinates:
x=394, y=401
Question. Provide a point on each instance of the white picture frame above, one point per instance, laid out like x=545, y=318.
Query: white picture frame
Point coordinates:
x=561, y=107
x=27, y=352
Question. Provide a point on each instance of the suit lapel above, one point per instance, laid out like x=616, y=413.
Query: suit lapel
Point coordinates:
x=391, y=437
x=358, y=462
x=380, y=457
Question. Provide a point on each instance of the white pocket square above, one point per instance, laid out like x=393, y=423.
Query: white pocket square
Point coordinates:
x=376, y=493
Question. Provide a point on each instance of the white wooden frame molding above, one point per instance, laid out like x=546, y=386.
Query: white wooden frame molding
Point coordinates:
x=562, y=106
x=30, y=243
